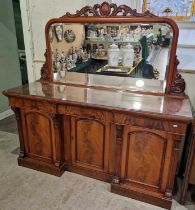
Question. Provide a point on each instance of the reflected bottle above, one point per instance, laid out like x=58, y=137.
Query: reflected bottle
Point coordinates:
x=113, y=55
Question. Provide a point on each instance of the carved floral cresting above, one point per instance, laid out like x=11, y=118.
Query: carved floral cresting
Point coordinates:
x=108, y=10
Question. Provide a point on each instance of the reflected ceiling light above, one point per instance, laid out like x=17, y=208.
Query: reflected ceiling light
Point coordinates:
x=137, y=105
x=139, y=83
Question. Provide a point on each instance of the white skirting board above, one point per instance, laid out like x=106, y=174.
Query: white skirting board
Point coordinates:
x=5, y=114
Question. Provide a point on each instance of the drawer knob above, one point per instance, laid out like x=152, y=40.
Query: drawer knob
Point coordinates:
x=175, y=126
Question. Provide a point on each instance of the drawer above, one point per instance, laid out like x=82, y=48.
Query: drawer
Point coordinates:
x=34, y=104
x=147, y=122
x=40, y=105
x=16, y=102
x=85, y=112
x=175, y=127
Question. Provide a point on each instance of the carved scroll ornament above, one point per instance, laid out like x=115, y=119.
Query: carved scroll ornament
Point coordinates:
x=108, y=10
x=44, y=69
x=178, y=84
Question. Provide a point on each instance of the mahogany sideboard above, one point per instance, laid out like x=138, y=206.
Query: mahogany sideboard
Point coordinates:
x=91, y=132
x=126, y=129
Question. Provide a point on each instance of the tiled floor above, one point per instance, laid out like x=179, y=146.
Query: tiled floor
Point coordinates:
x=8, y=128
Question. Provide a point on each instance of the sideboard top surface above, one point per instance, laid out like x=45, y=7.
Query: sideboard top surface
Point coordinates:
x=173, y=107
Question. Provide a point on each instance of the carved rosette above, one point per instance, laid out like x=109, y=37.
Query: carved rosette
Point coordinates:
x=178, y=84
x=108, y=10
x=44, y=69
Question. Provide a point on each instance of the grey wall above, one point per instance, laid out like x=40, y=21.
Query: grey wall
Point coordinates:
x=9, y=63
x=190, y=84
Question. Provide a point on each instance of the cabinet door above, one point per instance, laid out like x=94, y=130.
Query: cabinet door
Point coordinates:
x=146, y=156
x=42, y=136
x=90, y=143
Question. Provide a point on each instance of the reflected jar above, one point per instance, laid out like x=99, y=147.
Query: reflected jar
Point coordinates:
x=128, y=56
x=113, y=55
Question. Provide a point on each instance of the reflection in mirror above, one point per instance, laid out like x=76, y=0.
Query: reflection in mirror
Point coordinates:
x=133, y=50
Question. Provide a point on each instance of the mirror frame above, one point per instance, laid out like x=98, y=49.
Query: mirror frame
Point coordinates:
x=111, y=13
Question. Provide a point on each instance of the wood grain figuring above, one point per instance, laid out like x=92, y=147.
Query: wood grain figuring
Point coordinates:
x=89, y=144
x=143, y=151
x=90, y=141
x=43, y=145
x=38, y=128
x=42, y=106
x=141, y=148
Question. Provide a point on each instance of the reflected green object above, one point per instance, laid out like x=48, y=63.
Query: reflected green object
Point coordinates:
x=145, y=50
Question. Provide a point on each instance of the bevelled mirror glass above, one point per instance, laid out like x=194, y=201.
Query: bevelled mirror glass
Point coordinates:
x=137, y=54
